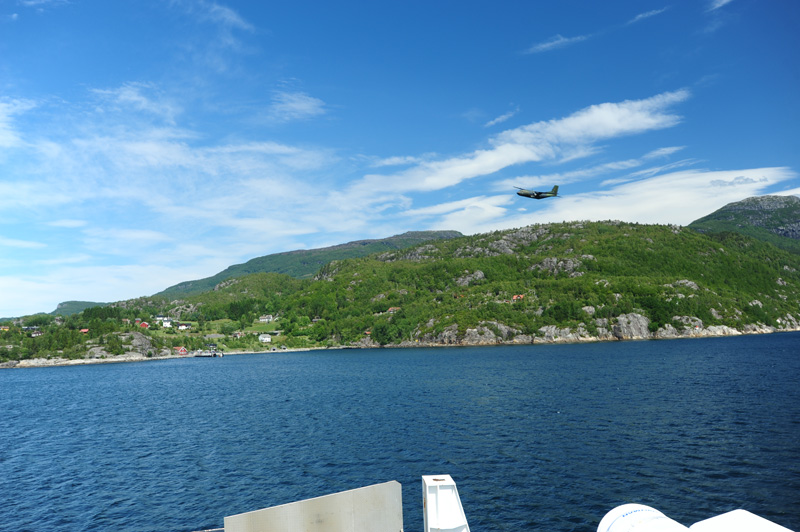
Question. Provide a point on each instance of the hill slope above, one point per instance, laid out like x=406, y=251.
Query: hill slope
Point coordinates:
x=774, y=219
x=544, y=283
x=303, y=264
x=572, y=281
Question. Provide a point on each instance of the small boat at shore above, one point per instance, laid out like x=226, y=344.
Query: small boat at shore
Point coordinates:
x=208, y=354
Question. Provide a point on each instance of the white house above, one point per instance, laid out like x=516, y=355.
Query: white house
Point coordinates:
x=266, y=318
x=264, y=338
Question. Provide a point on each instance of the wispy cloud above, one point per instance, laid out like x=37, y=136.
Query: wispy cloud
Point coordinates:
x=9, y=109
x=68, y=224
x=662, y=199
x=502, y=118
x=591, y=172
x=557, y=41
x=539, y=141
x=42, y=3
x=16, y=243
x=224, y=42
x=290, y=106
x=646, y=15
x=396, y=161
x=716, y=4
x=145, y=97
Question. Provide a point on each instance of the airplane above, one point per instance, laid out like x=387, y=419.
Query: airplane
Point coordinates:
x=538, y=195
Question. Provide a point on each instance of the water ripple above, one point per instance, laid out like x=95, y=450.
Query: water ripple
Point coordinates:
x=537, y=437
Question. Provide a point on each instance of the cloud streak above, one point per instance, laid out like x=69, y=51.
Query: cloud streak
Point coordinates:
x=555, y=42
x=291, y=106
x=502, y=118
x=540, y=141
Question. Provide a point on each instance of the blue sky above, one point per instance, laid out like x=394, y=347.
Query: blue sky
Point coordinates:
x=148, y=142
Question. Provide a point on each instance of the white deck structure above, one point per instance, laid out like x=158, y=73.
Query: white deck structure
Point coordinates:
x=379, y=508
x=641, y=518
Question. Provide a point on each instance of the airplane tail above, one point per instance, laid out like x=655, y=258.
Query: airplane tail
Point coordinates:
x=555, y=190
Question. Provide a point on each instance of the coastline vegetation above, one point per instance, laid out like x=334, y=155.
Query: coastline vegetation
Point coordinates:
x=570, y=275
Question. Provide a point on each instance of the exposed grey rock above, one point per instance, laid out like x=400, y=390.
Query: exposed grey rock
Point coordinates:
x=449, y=336
x=552, y=334
x=505, y=332
x=687, y=283
x=632, y=327
x=479, y=336
x=556, y=266
x=689, y=321
x=466, y=280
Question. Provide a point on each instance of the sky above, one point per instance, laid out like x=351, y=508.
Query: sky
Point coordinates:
x=148, y=142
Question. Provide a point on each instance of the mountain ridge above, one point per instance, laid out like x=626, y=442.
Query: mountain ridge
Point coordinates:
x=304, y=263
x=774, y=219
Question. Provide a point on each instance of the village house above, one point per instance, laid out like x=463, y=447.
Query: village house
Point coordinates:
x=265, y=338
x=266, y=318
x=181, y=351
x=184, y=326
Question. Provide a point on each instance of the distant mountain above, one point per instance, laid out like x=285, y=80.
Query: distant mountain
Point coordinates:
x=775, y=219
x=68, y=308
x=303, y=264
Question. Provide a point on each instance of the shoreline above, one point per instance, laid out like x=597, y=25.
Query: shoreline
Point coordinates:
x=138, y=357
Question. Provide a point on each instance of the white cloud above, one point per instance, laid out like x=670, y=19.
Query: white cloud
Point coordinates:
x=16, y=243
x=646, y=15
x=42, y=3
x=132, y=96
x=535, y=142
x=716, y=4
x=676, y=198
x=396, y=161
x=9, y=108
x=68, y=224
x=587, y=173
x=557, y=41
x=288, y=106
x=502, y=118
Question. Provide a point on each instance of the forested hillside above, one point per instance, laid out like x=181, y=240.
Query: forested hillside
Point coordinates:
x=774, y=219
x=304, y=263
x=556, y=282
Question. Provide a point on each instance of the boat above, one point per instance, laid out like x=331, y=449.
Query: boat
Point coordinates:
x=379, y=507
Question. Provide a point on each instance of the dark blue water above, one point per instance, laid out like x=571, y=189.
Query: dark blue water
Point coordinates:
x=543, y=438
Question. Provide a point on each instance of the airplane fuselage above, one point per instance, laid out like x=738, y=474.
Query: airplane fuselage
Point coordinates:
x=535, y=194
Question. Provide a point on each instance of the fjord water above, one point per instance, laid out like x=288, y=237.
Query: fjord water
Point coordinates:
x=538, y=437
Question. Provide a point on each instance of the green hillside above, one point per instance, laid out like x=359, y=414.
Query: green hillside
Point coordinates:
x=578, y=275
x=543, y=283
x=303, y=264
x=773, y=219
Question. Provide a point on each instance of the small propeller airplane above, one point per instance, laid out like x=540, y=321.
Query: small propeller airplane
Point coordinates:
x=535, y=194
